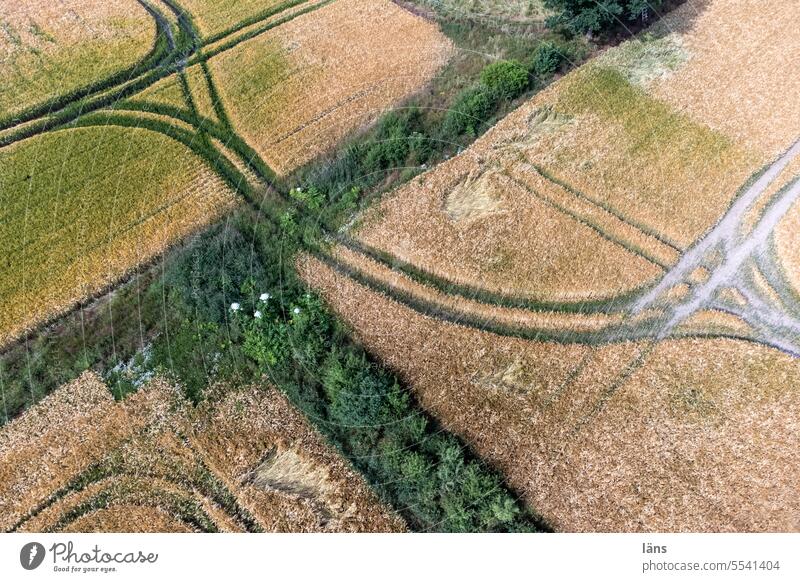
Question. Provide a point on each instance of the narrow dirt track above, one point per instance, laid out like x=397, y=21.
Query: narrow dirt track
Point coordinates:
x=724, y=232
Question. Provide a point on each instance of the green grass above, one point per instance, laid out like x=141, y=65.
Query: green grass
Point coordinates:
x=500, y=11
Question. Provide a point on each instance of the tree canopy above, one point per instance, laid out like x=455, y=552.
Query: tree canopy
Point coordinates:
x=594, y=16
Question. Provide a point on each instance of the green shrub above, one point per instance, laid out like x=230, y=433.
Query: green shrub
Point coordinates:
x=506, y=79
x=586, y=16
x=471, y=109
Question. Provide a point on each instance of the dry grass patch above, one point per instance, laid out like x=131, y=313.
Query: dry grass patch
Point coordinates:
x=517, y=318
x=296, y=90
x=83, y=207
x=787, y=244
x=127, y=519
x=715, y=322
x=50, y=48
x=167, y=91
x=281, y=469
x=687, y=435
x=57, y=439
x=632, y=152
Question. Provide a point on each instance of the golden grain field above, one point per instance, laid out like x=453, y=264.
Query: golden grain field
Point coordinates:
x=297, y=89
x=625, y=148
x=78, y=461
x=513, y=317
x=82, y=207
x=477, y=226
x=740, y=53
x=787, y=245
x=51, y=48
x=625, y=437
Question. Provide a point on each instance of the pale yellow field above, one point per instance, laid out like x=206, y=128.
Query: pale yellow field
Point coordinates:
x=790, y=173
x=296, y=90
x=742, y=77
x=522, y=318
x=83, y=207
x=159, y=457
x=686, y=435
x=51, y=48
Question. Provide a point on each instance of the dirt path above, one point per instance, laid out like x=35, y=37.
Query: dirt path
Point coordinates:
x=772, y=323
x=724, y=233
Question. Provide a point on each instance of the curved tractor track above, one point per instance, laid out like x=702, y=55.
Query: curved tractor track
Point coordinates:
x=646, y=314
x=177, y=46
x=729, y=254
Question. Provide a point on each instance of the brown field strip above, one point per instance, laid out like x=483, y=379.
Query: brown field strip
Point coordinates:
x=122, y=517
x=684, y=435
x=588, y=212
x=459, y=306
x=61, y=436
x=154, y=455
x=787, y=245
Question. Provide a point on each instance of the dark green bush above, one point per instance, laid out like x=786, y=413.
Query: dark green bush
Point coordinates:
x=506, y=79
x=585, y=16
x=546, y=60
x=471, y=109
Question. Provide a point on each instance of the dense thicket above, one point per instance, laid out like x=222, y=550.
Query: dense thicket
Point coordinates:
x=600, y=15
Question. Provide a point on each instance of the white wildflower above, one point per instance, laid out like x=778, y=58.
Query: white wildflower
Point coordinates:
x=265, y=297
x=257, y=314
x=235, y=306
x=296, y=310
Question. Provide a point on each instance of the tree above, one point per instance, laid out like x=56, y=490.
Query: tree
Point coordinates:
x=590, y=16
